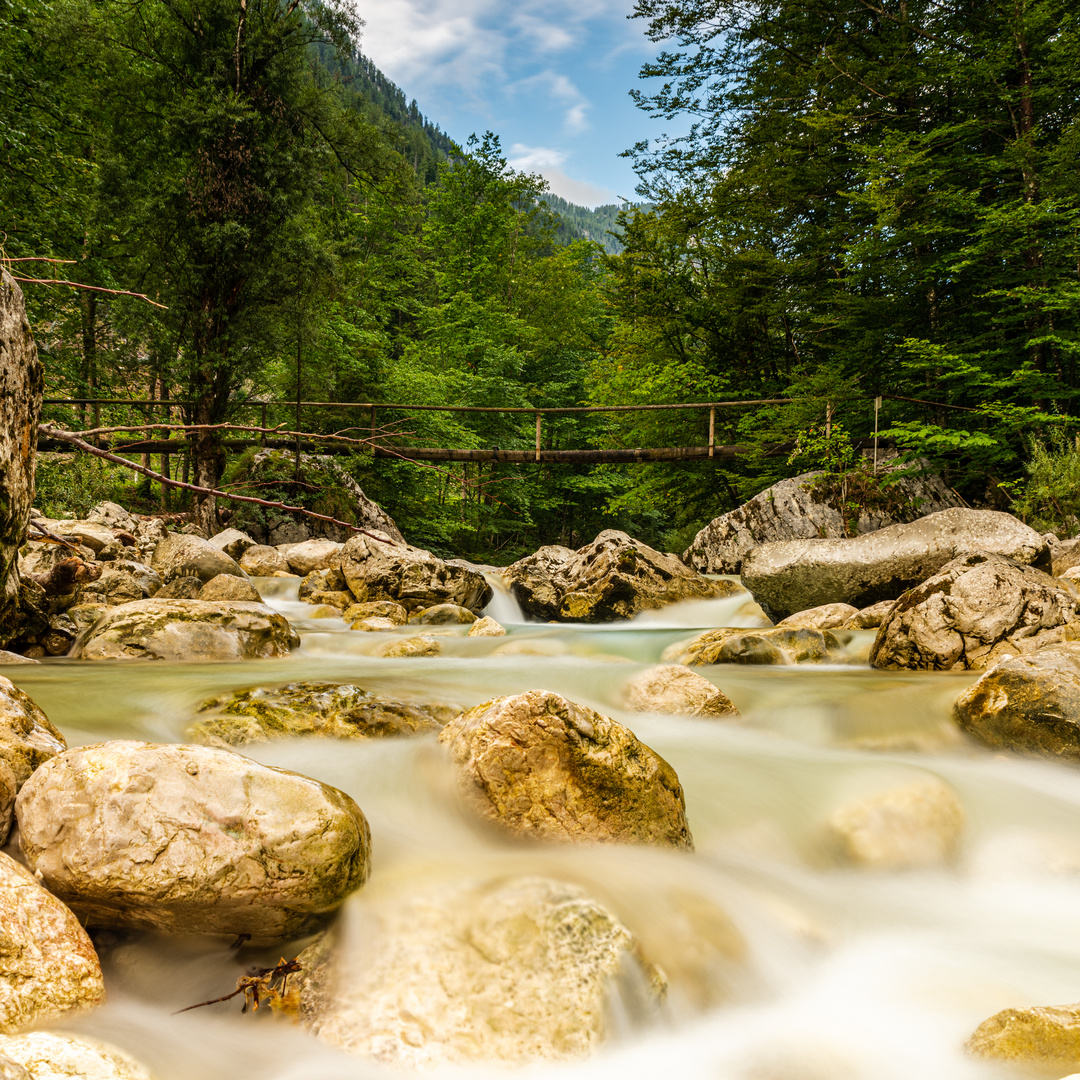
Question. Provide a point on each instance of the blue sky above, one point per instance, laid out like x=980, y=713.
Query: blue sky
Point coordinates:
x=551, y=78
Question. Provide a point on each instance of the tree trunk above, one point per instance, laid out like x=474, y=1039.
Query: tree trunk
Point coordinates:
x=21, y=386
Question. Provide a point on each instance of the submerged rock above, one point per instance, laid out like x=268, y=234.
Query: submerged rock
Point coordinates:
x=779, y=645
x=977, y=610
x=1029, y=703
x=915, y=825
x=799, y=574
x=614, y=577
x=188, y=630
x=332, y=710
x=42, y=1055
x=512, y=970
x=377, y=609
x=385, y=570
x=420, y=645
x=182, y=555
x=443, y=615
x=1044, y=1036
x=190, y=840
x=672, y=688
x=545, y=767
x=49, y=966
x=791, y=510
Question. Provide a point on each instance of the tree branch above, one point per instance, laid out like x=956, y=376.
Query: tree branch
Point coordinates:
x=69, y=437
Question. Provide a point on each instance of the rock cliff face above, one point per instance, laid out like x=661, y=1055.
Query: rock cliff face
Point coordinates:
x=21, y=385
x=789, y=511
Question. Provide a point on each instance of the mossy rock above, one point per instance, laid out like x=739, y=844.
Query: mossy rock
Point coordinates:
x=329, y=710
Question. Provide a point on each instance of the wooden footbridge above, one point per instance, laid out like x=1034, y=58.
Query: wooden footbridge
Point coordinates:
x=383, y=442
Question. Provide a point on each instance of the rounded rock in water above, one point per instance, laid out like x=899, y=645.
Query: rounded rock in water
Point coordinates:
x=190, y=840
x=545, y=767
x=509, y=970
x=329, y=710
x=49, y=966
x=675, y=689
x=43, y=1055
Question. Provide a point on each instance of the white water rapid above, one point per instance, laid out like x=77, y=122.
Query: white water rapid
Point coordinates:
x=846, y=974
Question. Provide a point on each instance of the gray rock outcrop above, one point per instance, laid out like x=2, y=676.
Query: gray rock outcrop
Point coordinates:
x=790, y=511
x=21, y=386
x=385, y=570
x=977, y=610
x=190, y=840
x=545, y=767
x=798, y=574
x=187, y=630
x=50, y=967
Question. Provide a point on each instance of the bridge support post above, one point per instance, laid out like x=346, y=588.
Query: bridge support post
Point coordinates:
x=712, y=431
x=538, y=436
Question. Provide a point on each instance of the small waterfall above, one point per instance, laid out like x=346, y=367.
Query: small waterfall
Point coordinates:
x=504, y=607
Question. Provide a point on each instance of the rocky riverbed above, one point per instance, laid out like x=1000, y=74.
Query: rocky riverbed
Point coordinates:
x=355, y=784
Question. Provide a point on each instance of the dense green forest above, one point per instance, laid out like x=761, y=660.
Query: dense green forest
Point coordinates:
x=871, y=199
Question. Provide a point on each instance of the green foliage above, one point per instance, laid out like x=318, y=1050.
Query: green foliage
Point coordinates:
x=70, y=485
x=1048, y=495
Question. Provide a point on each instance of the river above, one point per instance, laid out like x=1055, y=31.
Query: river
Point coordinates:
x=846, y=974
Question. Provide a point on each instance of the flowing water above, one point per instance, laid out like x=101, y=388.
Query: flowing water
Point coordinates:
x=842, y=974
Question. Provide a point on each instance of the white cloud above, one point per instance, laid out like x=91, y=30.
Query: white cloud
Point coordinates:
x=558, y=88
x=548, y=162
x=576, y=191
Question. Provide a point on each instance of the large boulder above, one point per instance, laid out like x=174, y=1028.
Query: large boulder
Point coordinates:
x=190, y=840
x=21, y=385
x=977, y=610
x=512, y=970
x=43, y=1055
x=233, y=542
x=1029, y=702
x=779, y=645
x=545, y=767
x=797, y=509
x=188, y=630
x=795, y=575
x=535, y=581
x=27, y=740
x=49, y=966
x=183, y=555
x=381, y=569
x=228, y=587
x=263, y=561
x=117, y=585
x=614, y=577
x=332, y=710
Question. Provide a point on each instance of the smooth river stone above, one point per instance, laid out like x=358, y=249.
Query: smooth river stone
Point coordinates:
x=48, y=967
x=545, y=767
x=188, y=630
x=675, y=689
x=27, y=739
x=190, y=840
x=509, y=971
x=42, y=1055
